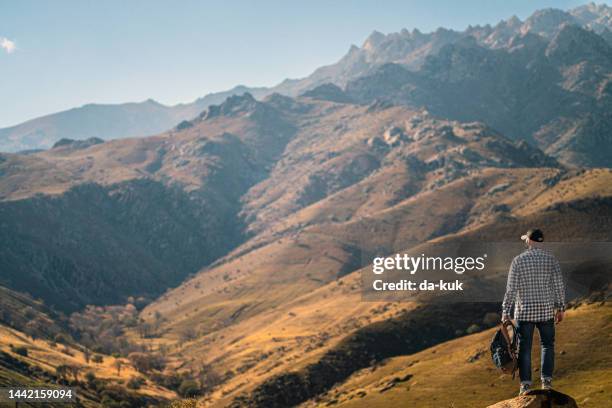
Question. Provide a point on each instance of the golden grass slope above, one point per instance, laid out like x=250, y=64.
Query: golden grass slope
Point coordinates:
x=278, y=307
x=459, y=373
x=48, y=356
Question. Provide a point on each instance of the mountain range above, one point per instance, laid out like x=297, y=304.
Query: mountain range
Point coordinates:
x=409, y=49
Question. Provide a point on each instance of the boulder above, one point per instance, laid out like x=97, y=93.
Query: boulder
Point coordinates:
x=537, y=399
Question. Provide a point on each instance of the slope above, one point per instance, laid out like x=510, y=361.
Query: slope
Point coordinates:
x=37, y=349
x=459, y=373
x=133, y=217
x=586, y=219
x=258, y=313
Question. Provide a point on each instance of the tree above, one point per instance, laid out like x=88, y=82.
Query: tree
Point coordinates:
x=74, y=370
x=135, y=383
x=209, y=378
x=158, y=320
x=118, y=364
x=62, y=371
x=189, y=388
x=22, y=351
x=86, y=355
x=145, y=362
x=188, y=334
x=90, y=377
x=97, y=358
x=32, y=328
x=61, y=338
x=29, y=312
x=473, y=329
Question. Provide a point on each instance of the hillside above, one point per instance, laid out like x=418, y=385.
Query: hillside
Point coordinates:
x=144, y=204
x=343, y=333
x=385, y=177
x=148, y=203
x=266, y=289
x=459, y=373
x=37, y=349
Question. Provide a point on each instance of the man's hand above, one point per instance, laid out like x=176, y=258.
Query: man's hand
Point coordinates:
x=505, y=319
x=559, y=316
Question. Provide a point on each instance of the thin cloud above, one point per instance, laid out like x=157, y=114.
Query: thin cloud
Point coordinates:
x=8, y=45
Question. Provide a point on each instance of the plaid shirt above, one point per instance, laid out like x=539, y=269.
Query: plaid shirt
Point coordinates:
x=535, y=287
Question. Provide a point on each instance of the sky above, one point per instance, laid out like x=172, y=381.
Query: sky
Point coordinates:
x=56, y=55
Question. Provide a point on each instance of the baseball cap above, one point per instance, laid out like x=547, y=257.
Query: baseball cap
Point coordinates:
x=534, y=235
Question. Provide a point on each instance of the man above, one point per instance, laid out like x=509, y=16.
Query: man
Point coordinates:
x=535, y=288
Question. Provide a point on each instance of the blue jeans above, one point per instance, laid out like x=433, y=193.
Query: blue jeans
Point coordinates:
x=547, y=340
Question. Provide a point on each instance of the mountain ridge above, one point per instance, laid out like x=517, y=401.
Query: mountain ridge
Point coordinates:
x=408, y=48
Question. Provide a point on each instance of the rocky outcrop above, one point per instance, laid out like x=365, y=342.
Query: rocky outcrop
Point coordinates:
x=537, y=399
x=328, y=92
x=77, y=144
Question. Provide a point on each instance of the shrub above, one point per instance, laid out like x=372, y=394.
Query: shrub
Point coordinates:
x=473, y=329
x=135, y=383
x=209, y=378
x=491, y=319
x=67, y=351
x=22, y=351
x=61, y=338
x=171, y=381
x=188, y=334
x=189, y=388
x=145, y=362
x=97, y=358
x=184, y=125
x=29, y=312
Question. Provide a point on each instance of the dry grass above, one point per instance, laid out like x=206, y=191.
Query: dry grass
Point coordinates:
x=41, y=353
x=275, y=303
x=265, y=311
x=442, y=376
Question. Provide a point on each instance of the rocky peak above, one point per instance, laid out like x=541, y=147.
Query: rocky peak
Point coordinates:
x=513, y=21
x=503, y=32
x=597, y=17
x=373, y=41
x=573, y=44
x=234, y=105
x=547, y=22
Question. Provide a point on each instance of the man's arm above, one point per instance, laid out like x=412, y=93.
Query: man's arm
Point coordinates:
x=511, y=289
x=558, y=287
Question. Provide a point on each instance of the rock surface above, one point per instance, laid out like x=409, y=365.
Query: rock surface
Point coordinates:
x=537, y=399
